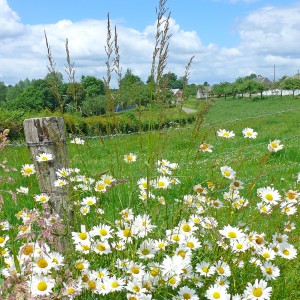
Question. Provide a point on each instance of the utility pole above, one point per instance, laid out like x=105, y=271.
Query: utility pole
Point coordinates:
x=274, y=75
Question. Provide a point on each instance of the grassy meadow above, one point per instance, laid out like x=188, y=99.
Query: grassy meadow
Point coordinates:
x=195, y=231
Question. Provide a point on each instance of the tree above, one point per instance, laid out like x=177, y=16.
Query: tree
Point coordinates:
x=291, y=84
x=92, y=86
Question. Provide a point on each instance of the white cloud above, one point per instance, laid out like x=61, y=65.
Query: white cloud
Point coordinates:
x=268, y=36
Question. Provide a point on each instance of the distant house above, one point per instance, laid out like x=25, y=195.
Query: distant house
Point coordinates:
x=263, y=79
x=177, y=94
x=203, y=93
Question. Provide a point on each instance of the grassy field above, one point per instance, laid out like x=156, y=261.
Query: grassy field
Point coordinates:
x=255, y=166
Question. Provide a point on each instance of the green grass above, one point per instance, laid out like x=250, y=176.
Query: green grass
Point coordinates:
x=272, y=118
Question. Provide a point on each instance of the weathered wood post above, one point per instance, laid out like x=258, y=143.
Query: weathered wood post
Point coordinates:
x=48, y=135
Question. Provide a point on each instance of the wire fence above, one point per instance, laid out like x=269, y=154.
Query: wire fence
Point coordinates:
x=174, y=128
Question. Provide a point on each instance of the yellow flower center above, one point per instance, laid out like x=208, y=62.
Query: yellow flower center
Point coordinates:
x=227, y=173
x=135, y=270
x=181, y=253
x=1, y=240
x=204, y=146
x=269, y=197
x=92, y=285
x=205, y=269
x=82, y=235
x=257, y=292
x=80, y=266
x=266, y=255
x=42, y=263
x=216, y=295
x=127, y=232
x=172, y=280
x=291, y=195
x=101, y=247
x=161, y=183
x=190, y=245
x=239, y=246
x=154, y=272
x=286, y=252
x=232, y=234
x=28, y=170
x=42, y=286
x=136, y=288
x=187, y=296
x=226, y=134
x=186, y=228
x=269, y=271
x=274, y=145
x=85, y=247
x=160, y=245
x=176, y=238
x=70, y=291
x=221, y=270
x=114, y=284
x=145, y=251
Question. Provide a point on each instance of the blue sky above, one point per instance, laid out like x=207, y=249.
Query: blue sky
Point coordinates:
x=229, y=38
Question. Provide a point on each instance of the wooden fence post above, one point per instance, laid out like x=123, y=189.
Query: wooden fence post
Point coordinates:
x=47, y=135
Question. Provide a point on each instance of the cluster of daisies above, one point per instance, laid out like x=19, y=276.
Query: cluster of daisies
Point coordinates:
x=198, y=256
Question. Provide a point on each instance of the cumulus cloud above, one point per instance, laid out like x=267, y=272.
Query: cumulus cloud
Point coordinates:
x=268, y=36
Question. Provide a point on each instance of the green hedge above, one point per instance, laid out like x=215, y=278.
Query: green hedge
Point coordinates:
x=90, y=126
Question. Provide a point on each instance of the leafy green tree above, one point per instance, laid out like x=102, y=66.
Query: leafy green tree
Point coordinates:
x=93, y=106
x=291, y=84
x=92, y=86
x=17, y=89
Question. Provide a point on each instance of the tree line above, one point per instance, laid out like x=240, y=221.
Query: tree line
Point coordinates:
x=88, y=96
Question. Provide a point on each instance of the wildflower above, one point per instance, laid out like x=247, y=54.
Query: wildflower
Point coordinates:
x=130, y=158
x=107, y=179
x=89, y=201
x=146, y=249
x=198, y=188
x=162, y=182
x=288, y=208
x=204, y=147
x=205, y=268
x=22, y=190
x=84, y=209
x=102, y=247
x=42, y=198
x=268, y=254
x=57, y=260
x=269, y=195
x=187, y=293
x=81, y=236
x=228, y=172
x=239, y=245
x=100, y=186
x=3, y=240
x=292, y=196
x=173, y=265
x=27, y=170
x=287, y=251
x=77, y=141
x=264, y=208
x=82, y=265
x=270, y=271
x=63, y=172
x=289, y=226
x=226, y=134
x=249, y=133
x=258, y=290
x=275, y=146
x=41, y=285
x=217, y=292
x=160, y=244
x=142, y=183
x=223, y=268
x=42, y=265
x=44, y=157
x=60, y=182
x=232, y=232
x=236, y=185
